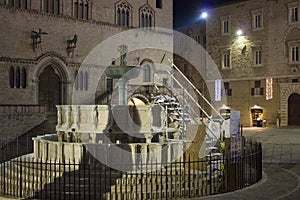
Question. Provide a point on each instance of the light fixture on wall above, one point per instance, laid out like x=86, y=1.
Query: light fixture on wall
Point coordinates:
x=239, y=32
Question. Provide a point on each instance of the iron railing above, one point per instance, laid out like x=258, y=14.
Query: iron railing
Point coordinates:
x=25, y=177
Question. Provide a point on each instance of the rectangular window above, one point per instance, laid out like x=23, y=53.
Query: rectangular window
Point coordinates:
x=295, y=54
x=227, y=91
x=257, y=90
x=226, y=60
x=158, y=3
x=258, y=57
x=257, y=19
x=293, y=14
x=225, y=26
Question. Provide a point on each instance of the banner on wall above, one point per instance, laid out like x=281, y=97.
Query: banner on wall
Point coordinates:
x=218, y=88
x=269, y=88
x=235, y=123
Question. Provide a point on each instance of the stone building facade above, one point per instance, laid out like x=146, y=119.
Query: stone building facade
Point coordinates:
x=44, y=42
x=260, y=63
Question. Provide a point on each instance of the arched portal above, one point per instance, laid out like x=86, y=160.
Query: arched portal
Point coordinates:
x=52, y=82
x=294, y=110
x=50, y=93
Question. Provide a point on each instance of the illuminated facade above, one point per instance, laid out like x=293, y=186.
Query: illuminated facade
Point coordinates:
x=260, y=66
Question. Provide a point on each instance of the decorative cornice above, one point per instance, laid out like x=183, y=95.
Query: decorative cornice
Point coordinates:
x=17, y=60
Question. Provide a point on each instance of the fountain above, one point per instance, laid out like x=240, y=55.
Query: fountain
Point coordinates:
x=81, y=127
x=123, y=73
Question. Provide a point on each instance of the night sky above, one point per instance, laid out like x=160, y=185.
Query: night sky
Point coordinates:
x=188, y=11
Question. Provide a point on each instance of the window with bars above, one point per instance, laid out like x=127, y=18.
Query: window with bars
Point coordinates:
x=123, y=11
x=146, y=17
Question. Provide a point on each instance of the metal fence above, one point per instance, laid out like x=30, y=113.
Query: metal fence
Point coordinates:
x=185, y=178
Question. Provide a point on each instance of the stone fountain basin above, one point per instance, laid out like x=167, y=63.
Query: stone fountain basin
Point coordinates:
x=127, y=72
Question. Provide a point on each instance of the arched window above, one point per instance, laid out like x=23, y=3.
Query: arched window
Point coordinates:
x=81, y=80
x=123, y=13
x=147, y=73
x=18, y=77
x=146, y=17
x=118, y=17
x=52, y=6
x=11, y=77
x=86, y=80
x=76, y=80
x=81, y=9
x=24, y=78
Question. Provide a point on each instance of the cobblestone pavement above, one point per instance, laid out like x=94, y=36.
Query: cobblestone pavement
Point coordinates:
x=281, y=166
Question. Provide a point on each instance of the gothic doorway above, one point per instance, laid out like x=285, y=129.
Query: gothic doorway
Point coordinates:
x=294, y=110
x=49, y=88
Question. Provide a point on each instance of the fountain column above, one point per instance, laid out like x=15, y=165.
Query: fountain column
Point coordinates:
x=122, y=88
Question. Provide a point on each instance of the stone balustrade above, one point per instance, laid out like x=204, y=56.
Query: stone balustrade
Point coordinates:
x=83, y=118
x=96, y=119
x=48, y=149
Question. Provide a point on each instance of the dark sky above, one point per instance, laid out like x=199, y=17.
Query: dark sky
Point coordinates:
x=188, y=11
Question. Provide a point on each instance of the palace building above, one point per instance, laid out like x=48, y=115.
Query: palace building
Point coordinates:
x=255, y=45
x=44, y=42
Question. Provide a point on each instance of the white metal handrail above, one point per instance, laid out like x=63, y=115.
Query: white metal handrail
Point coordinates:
x=192, y=85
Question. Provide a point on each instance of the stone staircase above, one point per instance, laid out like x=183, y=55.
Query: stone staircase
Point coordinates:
x=22, y=144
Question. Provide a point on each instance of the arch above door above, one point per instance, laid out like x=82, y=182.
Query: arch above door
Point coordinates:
x=286, y=90
x=60, y=70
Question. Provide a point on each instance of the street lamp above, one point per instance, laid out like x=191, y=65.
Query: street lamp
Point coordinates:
x=204, y=15
x=239, y=32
